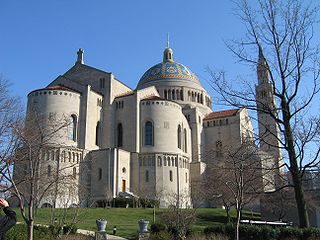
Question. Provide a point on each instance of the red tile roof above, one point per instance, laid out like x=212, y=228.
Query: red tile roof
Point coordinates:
x=59, y=87
x=153, y=98
x=221, y=114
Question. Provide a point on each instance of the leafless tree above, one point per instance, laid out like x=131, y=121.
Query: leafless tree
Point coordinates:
x=236, y=178
x=180, y=215
x=282, y=31
x=37, y=170
x=10, y=114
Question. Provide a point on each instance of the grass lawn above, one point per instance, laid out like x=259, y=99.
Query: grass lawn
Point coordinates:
x=126, y=218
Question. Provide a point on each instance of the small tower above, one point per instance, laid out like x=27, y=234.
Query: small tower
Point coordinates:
x=168, y=53
x=80, y=56
x=269, y=134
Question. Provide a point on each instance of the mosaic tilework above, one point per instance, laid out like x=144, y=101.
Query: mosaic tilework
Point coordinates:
x=168, y=70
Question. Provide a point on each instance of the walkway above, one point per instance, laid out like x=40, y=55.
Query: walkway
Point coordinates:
x=92, y=233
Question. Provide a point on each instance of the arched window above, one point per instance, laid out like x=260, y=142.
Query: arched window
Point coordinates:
x=185, y=140
x=178, y=94
x=181, y=95
x=179, y=136
x=74, y=172
x=147, y=176
x=49, y=170
x=165, y=94
x=63, y=156
x=119, y=135
x=72, y=128
x=171, y=176
x=99, y=173
x=148, y=133
x=219, y=148
x=173, y=95
x=98, y=133
x=69, y=156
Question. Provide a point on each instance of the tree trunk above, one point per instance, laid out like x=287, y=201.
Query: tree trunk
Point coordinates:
x=237, y=235
x=294, y=168
x=30, y=230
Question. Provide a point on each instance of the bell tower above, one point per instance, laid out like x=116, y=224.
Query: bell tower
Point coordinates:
x=269, y=134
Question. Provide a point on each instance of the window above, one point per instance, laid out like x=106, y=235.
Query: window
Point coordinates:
x=102, y=81
x=99, y=173
x=119, y=135
x=185, y=140
x=165, y=94
x=219, y=148
x=98, y=133
x=74, y=172
x=186, y=177
x=49, y=170
x=171, y=176
x=72, y=126
x=147, y=176
x=69, y=156
x=148, y=133
x=63, y=156
x=179, y=136
x=181, y=95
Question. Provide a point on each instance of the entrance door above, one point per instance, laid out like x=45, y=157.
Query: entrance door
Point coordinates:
x=123, y=185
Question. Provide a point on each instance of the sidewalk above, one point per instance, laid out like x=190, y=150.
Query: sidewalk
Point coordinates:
x=92, y=233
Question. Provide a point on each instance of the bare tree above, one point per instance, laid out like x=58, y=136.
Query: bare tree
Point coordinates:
x=38, y=171
x=283, y=32
x=236, y=178
x=10, y=114
x=180, y=215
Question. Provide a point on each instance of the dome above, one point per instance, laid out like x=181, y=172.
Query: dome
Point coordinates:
x=168, y=70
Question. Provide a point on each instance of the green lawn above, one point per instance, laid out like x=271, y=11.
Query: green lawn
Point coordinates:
x=126, y=218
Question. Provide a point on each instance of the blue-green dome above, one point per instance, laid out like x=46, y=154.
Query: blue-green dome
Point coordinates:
x=168, y=70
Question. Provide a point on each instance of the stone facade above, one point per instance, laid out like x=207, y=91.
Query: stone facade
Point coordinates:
x=151, y=141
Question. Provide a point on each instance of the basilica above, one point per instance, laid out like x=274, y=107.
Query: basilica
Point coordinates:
x=148, y=142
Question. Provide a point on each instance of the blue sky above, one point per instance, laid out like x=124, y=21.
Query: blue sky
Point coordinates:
x=39, y=39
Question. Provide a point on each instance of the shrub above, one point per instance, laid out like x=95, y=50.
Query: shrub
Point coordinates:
x=123, y=202
x=157, y=227
x=19, y=232
x=162, y=235
x=290, y=233
x=70, y=229
x=256, y=232
x=208, y=237
x=311, y=233
x=227, y=230
x=149, y=203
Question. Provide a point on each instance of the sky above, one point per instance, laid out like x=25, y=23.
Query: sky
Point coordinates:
x=39, y=39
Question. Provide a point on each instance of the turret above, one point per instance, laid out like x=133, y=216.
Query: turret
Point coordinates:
x=80, y=56
x=262, y=68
